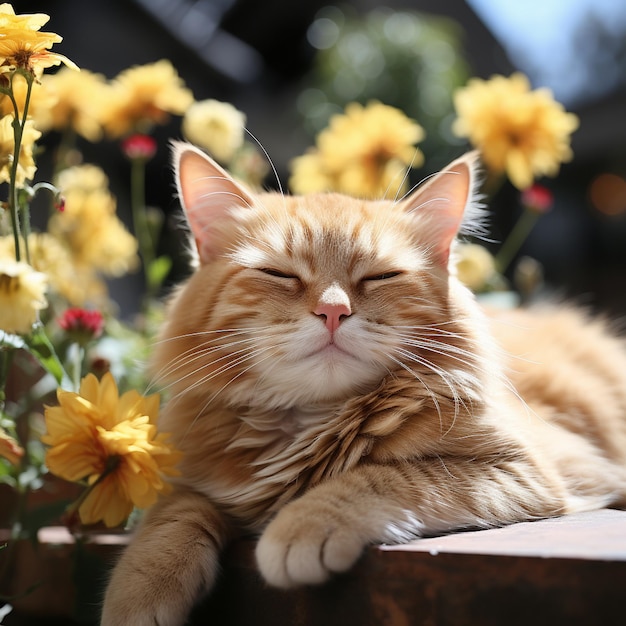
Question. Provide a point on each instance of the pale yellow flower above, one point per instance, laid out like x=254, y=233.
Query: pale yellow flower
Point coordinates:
x=475, y=265
x=26, y=164
x=86, y=177
x=40, y=99
x=364, y=152
x=217, y=127
x=22, y=296
x=111, y=443
x=145, y=95
x=78, y=102
x=89, y=224
x=23, y=46
x=520, y=132
x=78, y=284
x=309, y=174
x=32, y=21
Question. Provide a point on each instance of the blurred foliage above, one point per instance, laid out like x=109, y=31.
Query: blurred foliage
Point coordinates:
x=405, y=59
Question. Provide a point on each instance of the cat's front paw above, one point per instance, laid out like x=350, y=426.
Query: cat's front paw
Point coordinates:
x=124, y=606
x=300, y=547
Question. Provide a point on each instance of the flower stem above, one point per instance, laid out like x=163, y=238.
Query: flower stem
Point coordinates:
x=18, y=132
x=6, y=356
x=516, y=238
x=140, y=221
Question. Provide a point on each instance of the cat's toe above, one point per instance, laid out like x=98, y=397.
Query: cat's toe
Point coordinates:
x=288, y=557
x=284, y=565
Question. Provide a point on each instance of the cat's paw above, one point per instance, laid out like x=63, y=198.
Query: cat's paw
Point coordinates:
x=124, y=607
x=301, y=548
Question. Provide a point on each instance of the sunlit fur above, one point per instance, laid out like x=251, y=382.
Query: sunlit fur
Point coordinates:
x=420, y=414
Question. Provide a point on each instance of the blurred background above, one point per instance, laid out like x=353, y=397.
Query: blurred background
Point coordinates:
x=289, y=65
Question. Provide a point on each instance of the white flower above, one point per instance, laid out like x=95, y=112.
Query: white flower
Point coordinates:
x=217, y=127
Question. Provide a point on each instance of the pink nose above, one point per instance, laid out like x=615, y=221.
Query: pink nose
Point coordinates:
x=333, y=314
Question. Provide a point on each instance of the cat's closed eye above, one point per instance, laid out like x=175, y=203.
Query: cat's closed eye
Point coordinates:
x=383, y=276
x=276, y=273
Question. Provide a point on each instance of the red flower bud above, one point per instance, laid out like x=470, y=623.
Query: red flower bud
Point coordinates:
x=537, y=198
x=139, y=147
x=82, y=325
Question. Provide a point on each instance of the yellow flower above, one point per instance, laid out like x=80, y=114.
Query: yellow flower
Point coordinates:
x=520, y=132
x=8, y=19
x=79, y=99
x=145, y=95
x=40, y=99
x=86, y=177
x=475, y=266
x=218, y=127
x=23, y=46
x=309, y=174
x=75, y=283
x=26, y=165
x=22, y=296
x=89, y=224
x=111, y=443
x=364, y=152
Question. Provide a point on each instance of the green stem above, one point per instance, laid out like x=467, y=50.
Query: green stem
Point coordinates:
x=140, y=221
x=25, y=213
x=516, y=238
x=18, y=133
x=6, y=356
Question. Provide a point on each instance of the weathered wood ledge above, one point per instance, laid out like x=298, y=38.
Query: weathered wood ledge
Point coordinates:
x=569, y=570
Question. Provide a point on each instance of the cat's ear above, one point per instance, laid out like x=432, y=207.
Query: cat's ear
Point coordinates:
x=207, y=193
x=445, y=202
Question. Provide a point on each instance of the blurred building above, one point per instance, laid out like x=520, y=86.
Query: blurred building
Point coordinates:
x=257, y=55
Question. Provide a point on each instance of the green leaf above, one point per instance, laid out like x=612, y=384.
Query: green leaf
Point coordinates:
x=157, y=271
x=38, y=344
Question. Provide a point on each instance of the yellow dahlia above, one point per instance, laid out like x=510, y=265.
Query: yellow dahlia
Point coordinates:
x=218, y=127
x=145, y=95
x=75, y=283
x=79, y=100
x=26, y=165
x=109, y=442
x=32, y=21
x=23, y=46
x=364, y=152
x=22, y=296
x=86, y=177
x=89, y=225
x=521, y=132
x=40, y=99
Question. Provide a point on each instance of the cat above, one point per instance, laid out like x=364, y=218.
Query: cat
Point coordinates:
x=333, y=385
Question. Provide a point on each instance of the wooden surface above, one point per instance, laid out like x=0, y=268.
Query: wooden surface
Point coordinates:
x=569, y=570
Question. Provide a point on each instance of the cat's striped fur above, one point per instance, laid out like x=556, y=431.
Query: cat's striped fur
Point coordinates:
x=333, y=386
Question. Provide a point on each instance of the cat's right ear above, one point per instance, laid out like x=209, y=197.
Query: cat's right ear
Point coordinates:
x=207, y=194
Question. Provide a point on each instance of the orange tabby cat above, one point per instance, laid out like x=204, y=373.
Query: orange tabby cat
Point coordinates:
x=333, y=386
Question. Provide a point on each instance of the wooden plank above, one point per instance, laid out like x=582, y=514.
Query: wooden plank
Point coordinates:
x=570, y=570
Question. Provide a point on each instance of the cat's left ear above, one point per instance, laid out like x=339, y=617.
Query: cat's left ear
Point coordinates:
x=445, y=202
x=207, y=193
